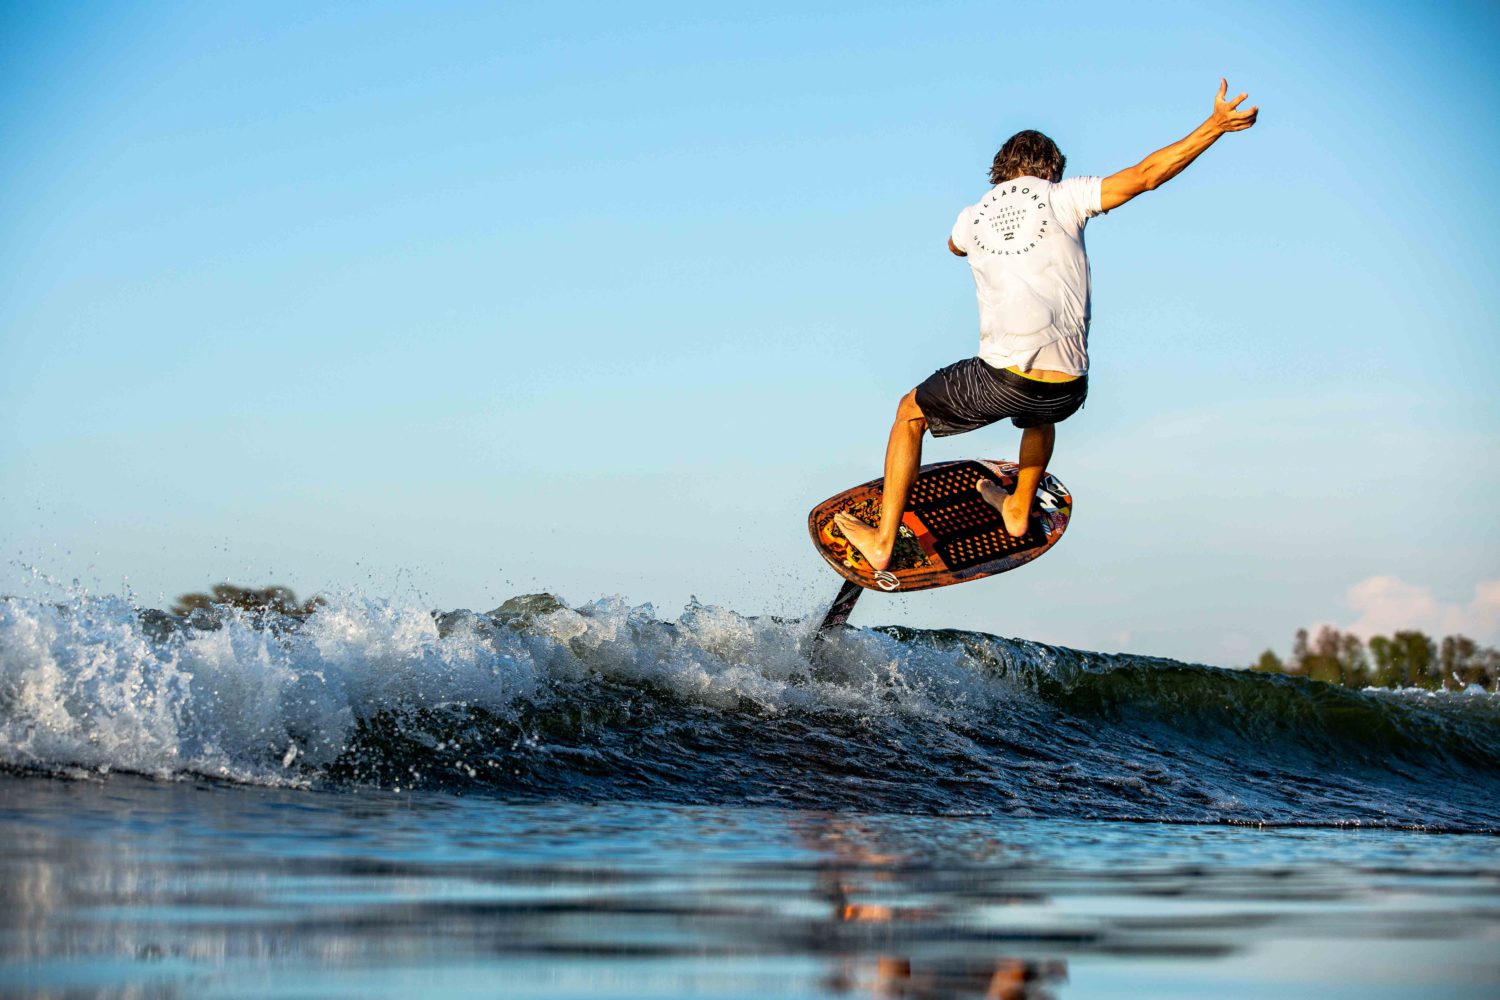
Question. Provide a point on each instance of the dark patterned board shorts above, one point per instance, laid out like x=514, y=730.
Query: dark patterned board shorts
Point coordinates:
x=973, y=393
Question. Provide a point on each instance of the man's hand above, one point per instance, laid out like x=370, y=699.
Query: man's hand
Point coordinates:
x=1169, y=161
x=1225, y=118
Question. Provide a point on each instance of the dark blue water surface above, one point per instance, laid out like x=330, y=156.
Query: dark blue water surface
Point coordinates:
x=556, y=801
x=133, y=887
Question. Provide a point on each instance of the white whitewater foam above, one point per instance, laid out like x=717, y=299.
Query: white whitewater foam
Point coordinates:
x=84, y=686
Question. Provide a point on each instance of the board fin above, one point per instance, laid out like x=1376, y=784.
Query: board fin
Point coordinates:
x=843, y=604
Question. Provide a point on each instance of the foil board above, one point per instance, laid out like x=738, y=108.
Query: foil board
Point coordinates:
x=948, y=535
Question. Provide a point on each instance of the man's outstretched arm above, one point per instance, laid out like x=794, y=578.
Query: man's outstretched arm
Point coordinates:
x=1169, y=161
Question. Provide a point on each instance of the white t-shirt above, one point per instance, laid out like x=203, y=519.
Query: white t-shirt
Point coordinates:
x=1025, y=245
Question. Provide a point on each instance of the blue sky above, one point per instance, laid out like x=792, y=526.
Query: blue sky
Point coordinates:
x=449, y=302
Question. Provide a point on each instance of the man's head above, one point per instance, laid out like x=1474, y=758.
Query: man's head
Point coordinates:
x=1028, y=154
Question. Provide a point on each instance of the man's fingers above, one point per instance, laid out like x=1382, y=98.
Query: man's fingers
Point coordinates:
x=1241, y=122
x=1223, y=88
x=1236, y=102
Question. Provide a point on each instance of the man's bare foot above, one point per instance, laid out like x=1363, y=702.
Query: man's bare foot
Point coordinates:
x=864, y=538
x=1016, y=517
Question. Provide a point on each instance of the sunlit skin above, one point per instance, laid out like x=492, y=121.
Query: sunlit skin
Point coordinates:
x=903, y=453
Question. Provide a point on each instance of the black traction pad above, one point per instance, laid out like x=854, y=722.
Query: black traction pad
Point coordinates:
x=965, y=529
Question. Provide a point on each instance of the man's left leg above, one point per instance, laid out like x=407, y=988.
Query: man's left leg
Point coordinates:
x=1015, y=507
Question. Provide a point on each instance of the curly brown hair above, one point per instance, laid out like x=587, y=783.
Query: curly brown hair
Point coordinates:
x=1028, y=154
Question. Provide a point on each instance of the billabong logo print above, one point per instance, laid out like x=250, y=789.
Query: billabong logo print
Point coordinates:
x=1010, y=220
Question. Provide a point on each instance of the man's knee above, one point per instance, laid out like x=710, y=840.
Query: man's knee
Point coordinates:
x=908, y=411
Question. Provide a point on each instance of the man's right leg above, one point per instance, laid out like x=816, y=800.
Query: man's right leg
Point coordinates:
x=903, y=455
x=1015, y=507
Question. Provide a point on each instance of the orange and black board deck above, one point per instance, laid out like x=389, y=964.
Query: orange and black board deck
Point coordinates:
x=948, y=535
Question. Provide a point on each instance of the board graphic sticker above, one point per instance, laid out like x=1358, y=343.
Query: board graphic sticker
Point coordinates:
x=949, y=534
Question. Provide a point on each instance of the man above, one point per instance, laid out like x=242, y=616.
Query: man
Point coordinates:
x=1024, y=242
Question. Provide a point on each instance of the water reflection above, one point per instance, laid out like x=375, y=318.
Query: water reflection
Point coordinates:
x=858, y=874
x=1005, y=979
x=128, y=885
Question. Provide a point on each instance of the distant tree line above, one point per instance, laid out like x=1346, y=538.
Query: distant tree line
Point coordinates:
x=277, y=599
x=1406, y=659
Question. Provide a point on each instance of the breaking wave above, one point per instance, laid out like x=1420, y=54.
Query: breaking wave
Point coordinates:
x=607, y=701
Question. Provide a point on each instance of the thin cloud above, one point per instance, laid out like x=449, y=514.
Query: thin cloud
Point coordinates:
x=1386, y=604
